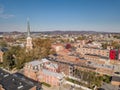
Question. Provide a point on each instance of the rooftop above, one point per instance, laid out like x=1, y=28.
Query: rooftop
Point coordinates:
x=99, y=56
x=116, y=78
x=35, y=62
x=47, y=72
x=3, y=49
x=15, y=82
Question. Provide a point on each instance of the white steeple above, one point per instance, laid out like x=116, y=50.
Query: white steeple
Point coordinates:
x=29, y=44
x=28, y=28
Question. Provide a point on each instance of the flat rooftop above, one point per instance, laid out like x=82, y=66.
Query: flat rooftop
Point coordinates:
x=15, y=81
x=116, y=78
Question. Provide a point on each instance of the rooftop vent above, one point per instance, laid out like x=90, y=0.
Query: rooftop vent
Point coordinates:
x=20, y=87
x=13, y=79
x=6, y=75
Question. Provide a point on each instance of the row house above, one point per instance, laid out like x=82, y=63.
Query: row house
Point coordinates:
x=94, y=51
x=96, y=58
x=67, y=64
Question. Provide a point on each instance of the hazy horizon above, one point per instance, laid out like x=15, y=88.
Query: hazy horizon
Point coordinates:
x=62, y=31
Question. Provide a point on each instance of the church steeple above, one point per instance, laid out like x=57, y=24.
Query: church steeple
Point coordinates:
x=28, y=28
x=29, y=44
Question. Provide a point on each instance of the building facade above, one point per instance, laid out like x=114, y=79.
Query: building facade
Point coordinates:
x=94, y=51
x=43, y=71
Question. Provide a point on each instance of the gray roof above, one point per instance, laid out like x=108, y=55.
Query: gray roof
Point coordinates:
x=3, y=49
x=54, y=74
x=45, y=60
x=116, y=78
x=35, y=63
x=52, y=65
x=38, y=62
x=11, y=82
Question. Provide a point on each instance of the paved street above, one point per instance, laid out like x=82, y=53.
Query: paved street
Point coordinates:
x=109, y=87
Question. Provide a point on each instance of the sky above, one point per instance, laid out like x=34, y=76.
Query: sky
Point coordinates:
x=49, y=15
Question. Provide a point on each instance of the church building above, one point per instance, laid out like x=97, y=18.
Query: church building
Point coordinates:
x=29, y=44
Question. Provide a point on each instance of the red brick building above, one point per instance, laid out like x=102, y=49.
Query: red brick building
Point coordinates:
x=43, y=71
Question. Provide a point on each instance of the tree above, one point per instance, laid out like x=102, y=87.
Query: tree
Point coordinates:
x=8, y=60
x=104, y=45
x=68, y=46
x=16, y=56
x=11, y=57
x=81, y=38
x=42, y=48
x=3, y=44
x=116, y=45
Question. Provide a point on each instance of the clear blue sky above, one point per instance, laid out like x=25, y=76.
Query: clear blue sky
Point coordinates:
x=96, y=15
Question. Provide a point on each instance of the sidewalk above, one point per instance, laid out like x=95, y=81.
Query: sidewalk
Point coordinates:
x=49, y=88
x=79, y=86
x=63, y=87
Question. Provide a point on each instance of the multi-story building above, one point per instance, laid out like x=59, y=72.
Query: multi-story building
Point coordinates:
x=43, y=71
x=94, y=51
x=96, y=58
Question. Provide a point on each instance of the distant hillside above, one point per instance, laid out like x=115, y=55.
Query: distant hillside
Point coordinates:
x=72, y=32
x=61, y=32
x=1, y=33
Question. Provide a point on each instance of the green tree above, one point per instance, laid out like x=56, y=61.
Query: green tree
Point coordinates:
x=116, y=45
x=3, y=44
x=8, y=60
x=16, y=56
x=11, y=57
x=81, y=38
x=42, y=48
x=104, y=45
